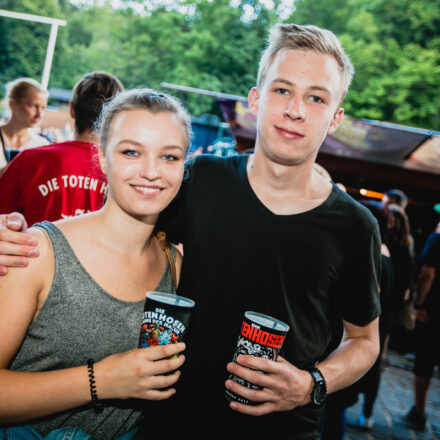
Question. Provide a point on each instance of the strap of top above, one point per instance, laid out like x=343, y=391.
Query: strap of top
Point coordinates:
x=165, y=246
x=2, y=140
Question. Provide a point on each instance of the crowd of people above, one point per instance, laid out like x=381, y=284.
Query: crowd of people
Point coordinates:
x=266, y=231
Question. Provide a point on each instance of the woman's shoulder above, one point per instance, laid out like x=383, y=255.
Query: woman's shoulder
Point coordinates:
x=36, y=140
x=38, y=270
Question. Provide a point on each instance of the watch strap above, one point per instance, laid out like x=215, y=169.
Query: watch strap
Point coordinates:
x=319, y=382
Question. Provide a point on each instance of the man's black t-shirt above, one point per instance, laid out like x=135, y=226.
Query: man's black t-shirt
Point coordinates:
x=311, y=270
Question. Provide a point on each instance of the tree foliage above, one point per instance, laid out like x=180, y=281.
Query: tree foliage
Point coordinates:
x=216, y=45
x=395, y=48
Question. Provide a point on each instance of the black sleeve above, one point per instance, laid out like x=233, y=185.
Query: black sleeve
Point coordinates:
x=359, y=288
x=172, y=219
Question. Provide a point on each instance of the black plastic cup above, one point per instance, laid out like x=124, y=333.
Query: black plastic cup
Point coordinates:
x=165, y=319
x=260, y=336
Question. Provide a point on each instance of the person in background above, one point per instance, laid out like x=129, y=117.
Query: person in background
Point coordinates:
x=27, y=102
x=62, y=180
x=427, y=305
x=70, y=366
x=396, y=197
x=400, y=244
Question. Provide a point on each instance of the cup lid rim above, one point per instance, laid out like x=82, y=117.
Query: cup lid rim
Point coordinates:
x=174, y=300
x=254, y=316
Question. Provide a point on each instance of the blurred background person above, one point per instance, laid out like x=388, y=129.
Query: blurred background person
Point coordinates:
x=27, y=103
x=395, y=197
x=401, y=246
x=427, y=305
x=62, y=180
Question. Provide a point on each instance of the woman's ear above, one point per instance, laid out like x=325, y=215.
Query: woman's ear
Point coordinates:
x=102, y=160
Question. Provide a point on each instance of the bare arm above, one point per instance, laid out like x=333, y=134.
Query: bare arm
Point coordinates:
x=424, y=283
x=15, y=246
x=27, y=395
x=286, y=387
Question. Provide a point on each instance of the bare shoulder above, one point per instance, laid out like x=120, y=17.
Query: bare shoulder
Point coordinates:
x=179, y=260
x=38, y=268
x=79, y=225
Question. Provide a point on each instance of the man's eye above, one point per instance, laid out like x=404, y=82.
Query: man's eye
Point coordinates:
x=281, y=91
x=316, y=99
x=130, y=153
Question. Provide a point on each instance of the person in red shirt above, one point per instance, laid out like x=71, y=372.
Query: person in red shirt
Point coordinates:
x=62, y=180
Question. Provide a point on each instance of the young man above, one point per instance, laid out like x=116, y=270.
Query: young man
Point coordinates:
x=267, y=233
x=61, y=180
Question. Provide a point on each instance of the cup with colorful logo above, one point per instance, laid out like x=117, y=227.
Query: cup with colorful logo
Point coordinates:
x=165, y=319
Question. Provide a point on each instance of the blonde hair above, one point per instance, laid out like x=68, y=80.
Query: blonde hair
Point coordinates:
x=18, y=89
x=307, y=37
x=141, y=99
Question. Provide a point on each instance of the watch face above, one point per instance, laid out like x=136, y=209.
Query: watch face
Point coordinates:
x=319, y=394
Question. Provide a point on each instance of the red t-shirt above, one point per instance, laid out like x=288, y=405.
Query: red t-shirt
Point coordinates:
x=53, y=182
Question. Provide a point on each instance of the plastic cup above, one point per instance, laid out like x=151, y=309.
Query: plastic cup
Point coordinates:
x=260, y=336
x=165, y=319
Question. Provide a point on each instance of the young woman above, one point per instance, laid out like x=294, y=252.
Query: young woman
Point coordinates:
x=27, y=102
x=76, y=311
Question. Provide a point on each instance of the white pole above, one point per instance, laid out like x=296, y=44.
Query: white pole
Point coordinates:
x=54, y=22
x=49, y=55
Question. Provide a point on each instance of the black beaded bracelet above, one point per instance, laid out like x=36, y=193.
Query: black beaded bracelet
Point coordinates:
x=97, y=404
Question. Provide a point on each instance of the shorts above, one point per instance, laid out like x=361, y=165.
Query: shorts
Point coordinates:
x=427, y=351
x=28, y=433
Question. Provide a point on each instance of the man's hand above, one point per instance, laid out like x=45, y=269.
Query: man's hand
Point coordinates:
x=15, y=246
x=284, y=386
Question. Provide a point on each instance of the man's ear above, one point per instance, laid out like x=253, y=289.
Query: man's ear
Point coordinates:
x=254, y=100
x=337, y=119
x=71, y=110
x=102, y=160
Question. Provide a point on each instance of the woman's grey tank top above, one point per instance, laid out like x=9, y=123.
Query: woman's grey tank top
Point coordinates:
x=79, y=320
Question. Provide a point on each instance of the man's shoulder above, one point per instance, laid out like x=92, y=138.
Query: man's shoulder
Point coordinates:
x=211, y=166
x=350, y=209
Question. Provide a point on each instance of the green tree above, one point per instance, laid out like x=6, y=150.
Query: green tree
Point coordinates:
x=23, y=44
x=395, y=48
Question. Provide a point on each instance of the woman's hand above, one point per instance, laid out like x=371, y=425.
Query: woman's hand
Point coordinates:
x=141, y=373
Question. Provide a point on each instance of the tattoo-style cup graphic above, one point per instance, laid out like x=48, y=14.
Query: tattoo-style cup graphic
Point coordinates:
x=165, y=319
x=260, y=336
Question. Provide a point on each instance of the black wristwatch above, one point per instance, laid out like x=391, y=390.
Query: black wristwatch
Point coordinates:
x=319, y=392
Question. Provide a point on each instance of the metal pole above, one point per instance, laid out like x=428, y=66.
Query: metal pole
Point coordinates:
x=49, y=55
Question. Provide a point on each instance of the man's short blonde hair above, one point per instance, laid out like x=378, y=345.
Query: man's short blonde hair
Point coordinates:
x=307, y=37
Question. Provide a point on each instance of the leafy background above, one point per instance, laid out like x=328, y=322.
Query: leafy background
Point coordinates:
x=216, y=45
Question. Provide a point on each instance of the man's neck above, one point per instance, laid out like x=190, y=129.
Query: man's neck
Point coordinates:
x=286, y=189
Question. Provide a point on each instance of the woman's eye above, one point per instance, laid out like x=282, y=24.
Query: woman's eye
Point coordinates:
x=130, y=153
x=281, y=91
x=170, y=157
